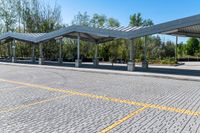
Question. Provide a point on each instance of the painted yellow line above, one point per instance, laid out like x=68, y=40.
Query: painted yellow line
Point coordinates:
x=25, y=106
x=117, y=123
x=155, y=106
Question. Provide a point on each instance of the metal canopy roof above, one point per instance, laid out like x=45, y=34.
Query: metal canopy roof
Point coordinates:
x=27, y=37
x=97, y=35
x=189, y=27
x=191, y=31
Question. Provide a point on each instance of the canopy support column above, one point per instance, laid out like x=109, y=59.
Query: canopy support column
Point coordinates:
x=41, y=58
x=33, y=59
x=96, y=60
x=13, y=51
x=145, y=62
x=60, y=59
x=131, y=62
x=9, y=47
x=78, y=61
x=176, y=48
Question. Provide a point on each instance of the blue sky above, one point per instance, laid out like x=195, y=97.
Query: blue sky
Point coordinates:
x=157, y=10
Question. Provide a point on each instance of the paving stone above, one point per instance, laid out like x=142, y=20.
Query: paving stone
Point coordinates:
x=76, y=113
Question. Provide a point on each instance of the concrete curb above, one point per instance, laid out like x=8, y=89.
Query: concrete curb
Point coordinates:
x=115, y=72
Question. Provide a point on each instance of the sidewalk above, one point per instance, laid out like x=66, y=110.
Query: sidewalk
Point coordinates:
x=116, y=72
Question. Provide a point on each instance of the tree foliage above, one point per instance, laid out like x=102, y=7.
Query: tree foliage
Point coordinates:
x=193, y=46
x=81, y=19
x=37, y=16
x=32, y=16
x=137, y=20
x=8, y=14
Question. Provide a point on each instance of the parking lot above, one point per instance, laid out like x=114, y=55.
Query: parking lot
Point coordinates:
x=53, y=100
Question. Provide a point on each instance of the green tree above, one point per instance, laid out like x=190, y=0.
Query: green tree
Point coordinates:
x=7, y=18
x=36, y=16
x=98, y=20
x=147, y=22
x=167, y=50
x=1, y=27
x=192, y=46
x=69, y=49
x=113, y=22
x=8, y=14
x=137, y=20
x=19, y=10
x=181, y=50
x=154, y=45
x=81, y=19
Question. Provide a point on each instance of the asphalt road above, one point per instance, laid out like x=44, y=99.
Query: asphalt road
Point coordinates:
x=52, y=100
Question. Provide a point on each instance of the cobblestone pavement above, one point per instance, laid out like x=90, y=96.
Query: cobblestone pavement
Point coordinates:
x=62, y=101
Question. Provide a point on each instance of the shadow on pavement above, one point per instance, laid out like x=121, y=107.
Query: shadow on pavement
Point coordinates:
x=155, y=70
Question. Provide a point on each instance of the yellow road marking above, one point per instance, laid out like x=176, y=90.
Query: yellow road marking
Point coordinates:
x=117, y=123
x=155, y=106
x=31, y=104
